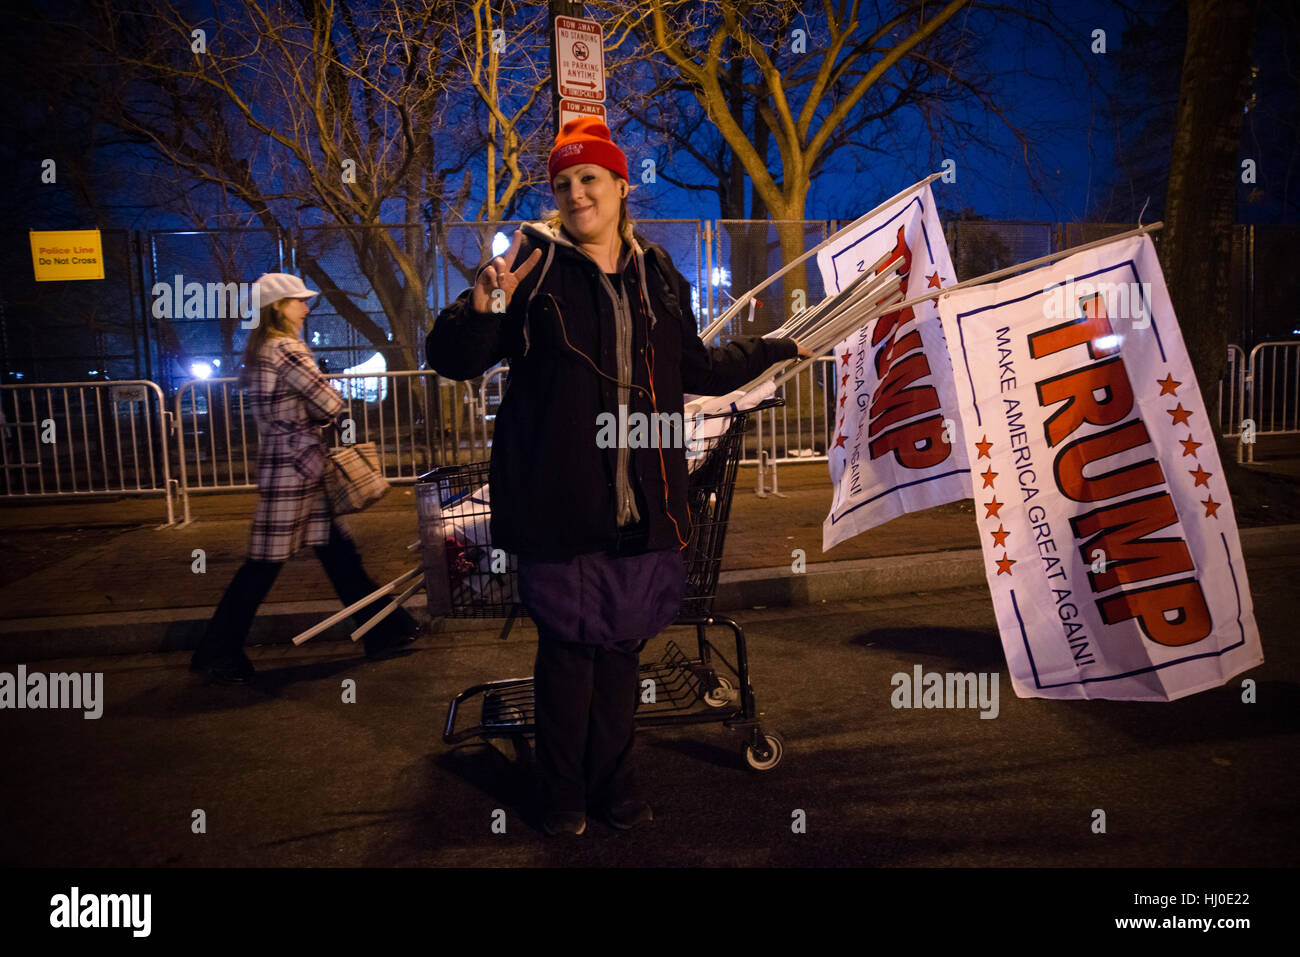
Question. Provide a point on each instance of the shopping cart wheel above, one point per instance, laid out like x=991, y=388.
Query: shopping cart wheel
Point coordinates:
x=769, y=757
x=721, y=696
x=508, y=715
x=497, y=712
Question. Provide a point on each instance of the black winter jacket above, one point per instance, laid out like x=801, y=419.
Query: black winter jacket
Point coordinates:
x=554, y=490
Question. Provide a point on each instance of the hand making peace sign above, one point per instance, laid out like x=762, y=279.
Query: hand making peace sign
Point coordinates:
x=497, y=275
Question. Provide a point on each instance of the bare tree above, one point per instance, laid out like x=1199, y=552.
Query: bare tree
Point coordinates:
x=1200, y=208
x=319, y=114
x=801, y=129
x=503, y=72
x=844, y=82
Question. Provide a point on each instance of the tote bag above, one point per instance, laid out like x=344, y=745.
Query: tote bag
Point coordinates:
x=353, y=478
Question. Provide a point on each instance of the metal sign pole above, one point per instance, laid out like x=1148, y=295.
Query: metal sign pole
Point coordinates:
x=558, y=8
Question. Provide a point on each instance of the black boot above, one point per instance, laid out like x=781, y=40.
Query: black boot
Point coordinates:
x=220, y=654
x=343, y=566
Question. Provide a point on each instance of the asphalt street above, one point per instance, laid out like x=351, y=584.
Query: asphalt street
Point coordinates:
x=287, y=773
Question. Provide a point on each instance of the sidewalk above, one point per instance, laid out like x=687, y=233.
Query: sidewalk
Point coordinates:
x=291, y=773
x=105, y=578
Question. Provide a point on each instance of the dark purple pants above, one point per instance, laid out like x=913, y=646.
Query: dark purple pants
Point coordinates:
x=586, y=698
x=594, y=614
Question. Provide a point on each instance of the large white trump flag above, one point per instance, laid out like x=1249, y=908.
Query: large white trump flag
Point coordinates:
x=1109, y=538
x=897, y=445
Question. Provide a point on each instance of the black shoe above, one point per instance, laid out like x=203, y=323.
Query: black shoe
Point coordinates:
x=625, y=815
x=237, y=671
x=570, y=823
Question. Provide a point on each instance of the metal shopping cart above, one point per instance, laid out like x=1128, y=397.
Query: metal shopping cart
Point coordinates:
x=465, y=577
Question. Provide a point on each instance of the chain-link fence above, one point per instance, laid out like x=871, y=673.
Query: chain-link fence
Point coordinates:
x=748, y=252
x=462, y=248
x=194, y=324
x=983, y=247
x=1271, y=281
x=73, y=331
x=376, y=294
x=164, y=311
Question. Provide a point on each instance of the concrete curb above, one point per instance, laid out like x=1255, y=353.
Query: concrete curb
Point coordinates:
x=177, y=629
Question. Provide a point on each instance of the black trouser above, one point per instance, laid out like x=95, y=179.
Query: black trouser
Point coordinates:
x=224, y=640
x=586, y=699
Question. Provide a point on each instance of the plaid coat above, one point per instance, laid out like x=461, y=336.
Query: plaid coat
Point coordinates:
x=291, y=400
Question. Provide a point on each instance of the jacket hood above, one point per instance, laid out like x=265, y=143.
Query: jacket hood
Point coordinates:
x=552, y=238
x=541, y=231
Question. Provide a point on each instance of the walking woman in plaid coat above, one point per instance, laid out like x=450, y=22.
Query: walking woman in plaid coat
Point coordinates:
x=291, y=401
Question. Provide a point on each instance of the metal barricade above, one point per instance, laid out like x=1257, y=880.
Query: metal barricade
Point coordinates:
x=1272, y=394
x=493, y=391
x=1231, y=416
x=417, y=420
x=63, y=439
x=800, y=430
x=216, y=441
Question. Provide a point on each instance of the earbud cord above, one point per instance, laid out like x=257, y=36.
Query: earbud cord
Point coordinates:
x=564, y=332
x=654, y=404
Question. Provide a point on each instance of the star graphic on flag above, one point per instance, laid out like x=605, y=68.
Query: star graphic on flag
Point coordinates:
x=1189, y=447
x=1202, y=477
x=1000, y=536
x=988, y=475
x=1180, y=414
x=1211, y=507
x=1168, y=385
x=984, y=445
x=845, y=357
x=840, y=440
x=935, y=281
x=1004, y=564
x=842, y=398
x=844, y=379
x=992, y=508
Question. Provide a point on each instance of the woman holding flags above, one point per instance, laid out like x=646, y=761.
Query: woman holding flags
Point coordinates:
x=594, y=320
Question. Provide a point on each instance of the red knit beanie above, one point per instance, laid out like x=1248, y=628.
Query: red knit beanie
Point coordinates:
x=586, y=140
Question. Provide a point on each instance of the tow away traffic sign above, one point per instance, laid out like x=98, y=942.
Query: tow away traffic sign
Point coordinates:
x=572, y=109
x=580, y=59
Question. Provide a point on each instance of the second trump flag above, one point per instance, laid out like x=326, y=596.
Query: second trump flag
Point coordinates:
x=1109, y=539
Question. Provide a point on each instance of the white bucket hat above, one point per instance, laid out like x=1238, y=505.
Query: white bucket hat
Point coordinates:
x=274, y=286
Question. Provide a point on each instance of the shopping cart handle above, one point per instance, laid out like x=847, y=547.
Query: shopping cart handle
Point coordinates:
x=771, y=402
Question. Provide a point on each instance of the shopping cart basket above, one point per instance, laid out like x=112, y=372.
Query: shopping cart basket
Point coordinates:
x=465, y=577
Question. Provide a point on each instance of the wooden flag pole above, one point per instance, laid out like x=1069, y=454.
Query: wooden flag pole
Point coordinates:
x=800, y=324
x=388, y=609
x=736, y=306
x=1021, y=267
x=793, y=370
x=338, y=616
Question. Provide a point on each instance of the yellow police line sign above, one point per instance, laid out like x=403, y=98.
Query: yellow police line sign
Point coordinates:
x=67, y=254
